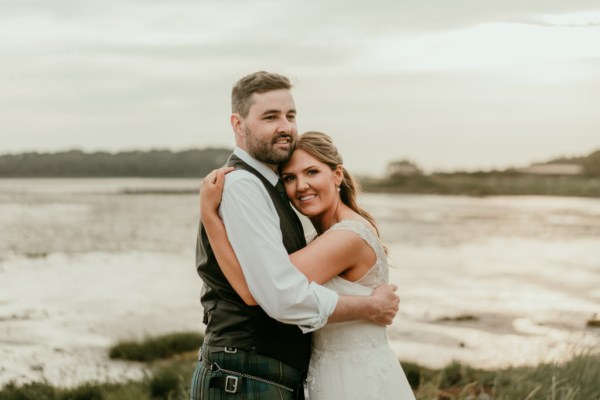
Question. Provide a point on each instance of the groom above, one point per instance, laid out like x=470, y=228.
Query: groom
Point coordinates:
x=263, y=352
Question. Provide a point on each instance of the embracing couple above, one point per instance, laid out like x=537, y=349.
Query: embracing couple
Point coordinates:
x=286, y=319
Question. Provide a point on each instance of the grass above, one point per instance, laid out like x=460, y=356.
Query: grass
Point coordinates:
x=459, y=318
x=169, y=378
x=575, y=379
x=44, y=391
x=169, y=381
x=594, y=322
x=170, y=360
x=156, y=348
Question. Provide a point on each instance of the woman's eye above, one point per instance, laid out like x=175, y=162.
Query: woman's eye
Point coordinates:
x=312, y=172
x=287, y=178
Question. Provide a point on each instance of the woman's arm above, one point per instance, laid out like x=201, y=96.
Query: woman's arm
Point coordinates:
x=210, y=197
x=331, y=254
x=335, y=252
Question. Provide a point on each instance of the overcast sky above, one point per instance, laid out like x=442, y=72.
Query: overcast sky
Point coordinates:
x=462, y=84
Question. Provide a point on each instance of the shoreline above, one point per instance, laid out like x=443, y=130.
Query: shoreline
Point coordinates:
x=78, y=305
x=170, y=377
x=443, y=184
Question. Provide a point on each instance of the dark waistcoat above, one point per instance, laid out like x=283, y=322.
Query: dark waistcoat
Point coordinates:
x=229, y=321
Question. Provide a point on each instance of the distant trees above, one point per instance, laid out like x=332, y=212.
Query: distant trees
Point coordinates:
x=155, y=163
x=591, y=164
x=400, y=168
x=565, y=166
x=188, y=163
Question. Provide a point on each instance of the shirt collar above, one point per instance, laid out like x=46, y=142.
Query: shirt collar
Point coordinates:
x=262, y=168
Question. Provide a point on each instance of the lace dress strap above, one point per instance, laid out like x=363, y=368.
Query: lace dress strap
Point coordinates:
x=372, y=240
x=364, y=232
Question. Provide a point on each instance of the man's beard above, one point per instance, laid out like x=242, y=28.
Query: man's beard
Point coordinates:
x=266, y=152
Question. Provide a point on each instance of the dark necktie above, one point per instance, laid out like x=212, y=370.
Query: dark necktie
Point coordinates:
x=281, y=190
x=286, y=202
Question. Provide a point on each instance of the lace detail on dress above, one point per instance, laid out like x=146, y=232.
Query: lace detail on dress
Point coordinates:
x=352, y=360
x=368, y=364
x=310, y=236
x=379, y=273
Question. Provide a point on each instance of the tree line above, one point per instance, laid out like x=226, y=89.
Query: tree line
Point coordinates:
x=188, y=163
x=76, y=163
x=590, y=165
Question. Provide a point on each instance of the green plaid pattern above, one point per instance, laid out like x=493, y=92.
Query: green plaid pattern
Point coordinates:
x=247, y=362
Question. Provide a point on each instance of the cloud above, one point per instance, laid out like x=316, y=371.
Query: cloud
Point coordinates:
x=482, y=46
x=157, y=73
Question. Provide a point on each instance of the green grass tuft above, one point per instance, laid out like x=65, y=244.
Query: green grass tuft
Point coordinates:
x=166, y=383
x=575, y=379
x=29, y=391
x=87, y=391
x=157, y=348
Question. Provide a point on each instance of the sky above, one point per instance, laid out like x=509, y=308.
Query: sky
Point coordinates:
x=450, y=85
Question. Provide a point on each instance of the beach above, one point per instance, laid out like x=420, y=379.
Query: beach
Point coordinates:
x=490, y=282
x=60, y=313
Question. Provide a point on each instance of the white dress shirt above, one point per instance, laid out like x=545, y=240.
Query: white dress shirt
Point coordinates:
x=252, y=226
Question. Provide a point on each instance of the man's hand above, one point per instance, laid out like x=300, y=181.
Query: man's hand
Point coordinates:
x=385, y=304
x=379, y=308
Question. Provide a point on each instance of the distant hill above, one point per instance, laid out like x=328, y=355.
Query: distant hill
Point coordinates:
x=574, y=176
x=190, y=163
x=154, y=163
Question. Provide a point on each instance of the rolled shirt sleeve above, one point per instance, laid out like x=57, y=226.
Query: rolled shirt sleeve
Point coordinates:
x=253, y=229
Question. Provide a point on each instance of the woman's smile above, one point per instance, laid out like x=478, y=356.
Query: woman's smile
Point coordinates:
x=306, y=198
x=310, y=184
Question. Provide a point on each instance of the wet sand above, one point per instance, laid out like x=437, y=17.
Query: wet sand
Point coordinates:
x=60, y=313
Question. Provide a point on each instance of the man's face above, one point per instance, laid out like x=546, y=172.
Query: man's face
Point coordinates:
x=269, y=131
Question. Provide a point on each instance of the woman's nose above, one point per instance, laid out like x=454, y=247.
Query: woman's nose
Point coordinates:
x=301, y=184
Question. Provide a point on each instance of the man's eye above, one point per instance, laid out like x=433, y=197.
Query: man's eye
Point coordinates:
x=291, y=117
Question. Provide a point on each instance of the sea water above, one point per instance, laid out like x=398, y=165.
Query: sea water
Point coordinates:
x=490, y=281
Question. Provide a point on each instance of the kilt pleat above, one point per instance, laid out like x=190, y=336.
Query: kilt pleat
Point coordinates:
x=247, y=362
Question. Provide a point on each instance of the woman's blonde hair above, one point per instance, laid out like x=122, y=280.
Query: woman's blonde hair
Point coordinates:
x=321, y=147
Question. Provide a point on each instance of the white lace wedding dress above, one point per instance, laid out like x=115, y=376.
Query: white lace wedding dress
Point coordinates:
x=353, y=360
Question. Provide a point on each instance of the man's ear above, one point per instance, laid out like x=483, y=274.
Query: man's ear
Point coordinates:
x=236, y=123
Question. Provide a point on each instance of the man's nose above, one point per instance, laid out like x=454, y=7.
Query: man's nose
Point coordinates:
x=286, y=126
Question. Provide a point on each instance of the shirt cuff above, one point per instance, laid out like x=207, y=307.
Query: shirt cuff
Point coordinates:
x=327, y=300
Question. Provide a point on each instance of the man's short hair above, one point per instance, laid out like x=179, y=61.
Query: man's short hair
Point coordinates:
x=257, y=82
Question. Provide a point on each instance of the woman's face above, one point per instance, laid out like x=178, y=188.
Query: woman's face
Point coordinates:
x=310, y=184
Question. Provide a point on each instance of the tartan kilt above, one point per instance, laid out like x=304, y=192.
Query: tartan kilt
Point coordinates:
x=251, y=363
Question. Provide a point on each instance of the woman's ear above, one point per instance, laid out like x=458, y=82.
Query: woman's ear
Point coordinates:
x=338, y=174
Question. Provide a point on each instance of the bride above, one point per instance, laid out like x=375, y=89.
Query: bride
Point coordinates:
x=350, y=360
